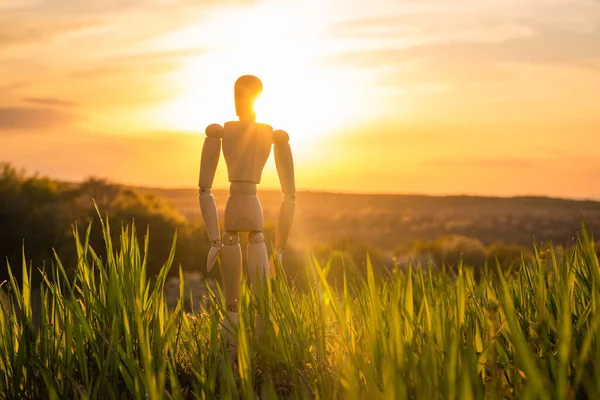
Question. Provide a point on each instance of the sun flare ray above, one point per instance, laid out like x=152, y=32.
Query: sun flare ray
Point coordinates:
x=300, y=95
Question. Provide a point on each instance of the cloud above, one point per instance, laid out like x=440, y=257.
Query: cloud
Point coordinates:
x=480, y=20
x=17, y=28
x=49, y=101
x=9, y=87
x=100, y=25
x=429, y=27
x=492, y=162
x=140, y=63
x=24, y=118
x=139, y=69
x=89, y=6
x=18, y=4
x=562, y=153
x=549, y=46
x=108, y=7
x=436, y=70
x=161, y=55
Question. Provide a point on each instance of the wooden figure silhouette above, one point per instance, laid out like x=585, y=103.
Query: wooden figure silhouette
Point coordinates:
x=246, y=147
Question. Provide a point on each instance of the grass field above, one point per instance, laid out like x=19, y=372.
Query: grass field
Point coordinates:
x=108, y=334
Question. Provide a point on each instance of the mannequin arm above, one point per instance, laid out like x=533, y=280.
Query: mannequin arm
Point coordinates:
x=285, y=169
x=211, y=151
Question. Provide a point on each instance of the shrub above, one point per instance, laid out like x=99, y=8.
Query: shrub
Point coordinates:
x=37, y=216
x=451, y=250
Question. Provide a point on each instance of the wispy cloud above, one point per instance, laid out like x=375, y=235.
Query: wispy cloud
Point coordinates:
x=548, y=46
x=491, y=162
x=18, y=29
x=107, y=70
x=24, y=118
x=103, y=7
x=146, y=63
x=49, y=101
x=159, y=55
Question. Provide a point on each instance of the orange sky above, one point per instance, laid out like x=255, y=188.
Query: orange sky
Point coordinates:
x=498, y=97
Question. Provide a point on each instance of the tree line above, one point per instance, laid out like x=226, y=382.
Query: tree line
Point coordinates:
x=38, y=216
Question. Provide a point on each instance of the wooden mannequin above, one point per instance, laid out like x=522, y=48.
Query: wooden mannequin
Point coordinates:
x=246, y=147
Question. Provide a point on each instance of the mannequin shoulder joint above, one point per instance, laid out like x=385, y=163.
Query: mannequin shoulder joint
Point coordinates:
x=214, y=130
x=280, y=136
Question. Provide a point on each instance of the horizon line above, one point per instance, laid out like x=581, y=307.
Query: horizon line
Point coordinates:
x=342, y=192
x=383, y=193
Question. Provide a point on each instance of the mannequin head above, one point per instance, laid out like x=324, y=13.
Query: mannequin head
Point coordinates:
x=246, y=90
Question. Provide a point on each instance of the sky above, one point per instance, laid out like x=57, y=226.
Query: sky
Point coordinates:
x=495, y=97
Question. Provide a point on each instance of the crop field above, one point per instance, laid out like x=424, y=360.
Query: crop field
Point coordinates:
x=106, y=332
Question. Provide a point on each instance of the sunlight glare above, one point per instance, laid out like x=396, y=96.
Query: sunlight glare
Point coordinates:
x=300, y=96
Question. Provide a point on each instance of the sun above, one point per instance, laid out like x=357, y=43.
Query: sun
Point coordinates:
x=300, y=95
x=308, y=103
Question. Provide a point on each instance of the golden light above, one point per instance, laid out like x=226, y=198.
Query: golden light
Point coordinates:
x=300, y=96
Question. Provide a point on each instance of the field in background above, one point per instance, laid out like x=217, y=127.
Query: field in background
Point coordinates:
x=388, y=221
x=391, y=228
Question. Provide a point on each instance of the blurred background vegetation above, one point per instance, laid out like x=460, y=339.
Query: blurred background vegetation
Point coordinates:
x=37, y=217
x=38, y=214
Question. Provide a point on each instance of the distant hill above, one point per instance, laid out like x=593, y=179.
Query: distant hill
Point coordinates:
x=385, y=221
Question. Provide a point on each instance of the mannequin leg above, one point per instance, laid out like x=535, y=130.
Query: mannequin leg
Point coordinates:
x=258, y=269
x=231, y=274
x=231, y=269
x=258, y=259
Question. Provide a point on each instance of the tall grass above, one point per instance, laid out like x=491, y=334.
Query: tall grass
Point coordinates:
x=421, y=334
